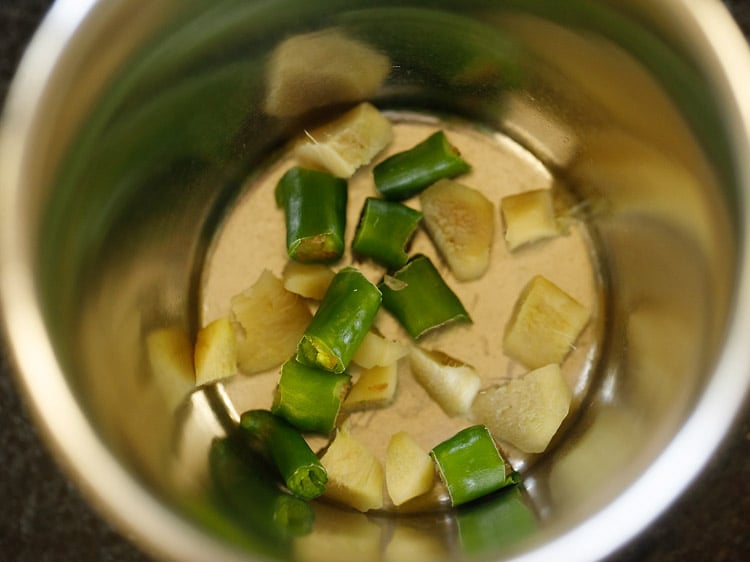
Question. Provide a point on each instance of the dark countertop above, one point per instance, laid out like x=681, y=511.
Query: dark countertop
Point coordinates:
x=43, y=517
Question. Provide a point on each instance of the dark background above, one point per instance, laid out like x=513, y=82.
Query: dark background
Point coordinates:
x=44, y=518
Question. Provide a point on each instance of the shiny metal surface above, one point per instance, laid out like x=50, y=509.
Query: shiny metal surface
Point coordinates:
x=157, y=160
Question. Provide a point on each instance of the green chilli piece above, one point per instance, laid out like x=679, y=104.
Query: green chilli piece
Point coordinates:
x=470, y=465
x=314, y=204
x=405, y=174
x=309, y=398
x=248, y=492
x=419, y=298
x=384, y=230
x=303, y=474
x=341, y=322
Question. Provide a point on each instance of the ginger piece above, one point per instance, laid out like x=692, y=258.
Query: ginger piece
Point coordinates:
x=215, y=353
x=527, y=411
x=528, y=217
x=544, y=326
x=409, y=469
x=355, y=476
x=347, y=143
x=272, y=320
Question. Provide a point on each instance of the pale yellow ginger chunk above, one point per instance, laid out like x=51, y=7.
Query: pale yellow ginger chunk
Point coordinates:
x=215, y=354
x=377, y=351
x=527, y=411
x=451, y=383
x=375, y=388
x=319, y=69
x=409, y=469
x=461, y=222
x=309, y=280
x=271, y=322
x=355, y=476
x=170, y=356
x=545, y=324
x=528, y=217
x=345, y=144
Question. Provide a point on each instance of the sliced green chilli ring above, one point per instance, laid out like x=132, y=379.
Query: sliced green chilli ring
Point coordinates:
x=384, y=231
x=341, y=322
x=470, y=465
x=314, y=205
x=309, y=398
x=300, y=468
x=418, y=297
x=405, y=174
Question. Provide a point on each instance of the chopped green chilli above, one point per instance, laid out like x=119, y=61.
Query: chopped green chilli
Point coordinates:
x=314, y=204
x=309, y=398
x=342, y=321
x=384, y=230
x=470, y=465
x=419, y=298
x=245, y=488
x=301, y=470
x=405, y=174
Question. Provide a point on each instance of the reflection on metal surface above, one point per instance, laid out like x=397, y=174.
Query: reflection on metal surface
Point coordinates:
x=538, y=129
x=317, y=70
x=498, y=524
x=596, y=460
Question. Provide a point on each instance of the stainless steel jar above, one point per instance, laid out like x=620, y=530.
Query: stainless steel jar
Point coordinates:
x=123, y=147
